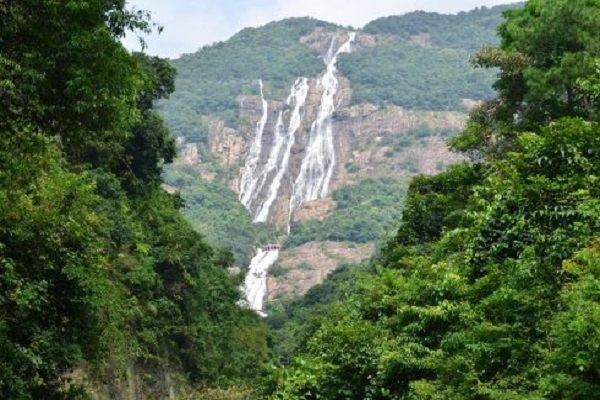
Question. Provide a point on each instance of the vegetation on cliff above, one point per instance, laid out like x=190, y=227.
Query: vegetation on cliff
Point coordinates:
x=364, y=212
x=98, y=269
x=490, y=288
x=464, y=30
x=415, y=77
x=211, y=79
x=424, y=63
x=213, y=208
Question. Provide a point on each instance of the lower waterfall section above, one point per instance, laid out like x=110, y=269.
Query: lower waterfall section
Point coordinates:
x=255, y=284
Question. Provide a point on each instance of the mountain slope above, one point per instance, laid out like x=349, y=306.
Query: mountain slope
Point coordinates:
x=401, y=87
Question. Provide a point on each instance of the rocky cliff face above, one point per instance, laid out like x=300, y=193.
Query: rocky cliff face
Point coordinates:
x=391, y=141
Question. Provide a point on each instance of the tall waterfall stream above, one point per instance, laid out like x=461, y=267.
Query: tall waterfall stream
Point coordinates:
x=316, y=169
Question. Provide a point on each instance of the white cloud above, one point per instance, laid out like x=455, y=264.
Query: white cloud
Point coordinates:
x=188, y=25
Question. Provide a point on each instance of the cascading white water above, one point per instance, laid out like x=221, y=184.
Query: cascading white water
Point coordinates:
x=318, y=163
x=255, y=284
x=331, y=51
x=275, y=155
x=249, y=179
x=297, y=99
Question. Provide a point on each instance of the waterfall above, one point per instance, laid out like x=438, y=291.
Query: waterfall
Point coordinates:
x=316, y=169
x=255, y=284
x=330, y=52
x=249, y=179
x=319, y=162
x=297, y=99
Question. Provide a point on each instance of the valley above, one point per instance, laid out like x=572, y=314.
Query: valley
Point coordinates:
x=405, y=210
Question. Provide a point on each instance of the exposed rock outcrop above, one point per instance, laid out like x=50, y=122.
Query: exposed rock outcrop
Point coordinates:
x=188, y=152
x=314, y=210
x=391, y=141
x=228, y=143
x=307, y=265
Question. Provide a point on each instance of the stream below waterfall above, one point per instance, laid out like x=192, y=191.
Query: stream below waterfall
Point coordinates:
x=255, y=284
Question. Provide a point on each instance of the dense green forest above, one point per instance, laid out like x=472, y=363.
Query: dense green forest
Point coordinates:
x=99, y=272
x=414, y=76
x=465, y=30
x=491, y=287
x=289, y=318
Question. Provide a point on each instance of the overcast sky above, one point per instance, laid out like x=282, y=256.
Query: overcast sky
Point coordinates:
x=191, y=24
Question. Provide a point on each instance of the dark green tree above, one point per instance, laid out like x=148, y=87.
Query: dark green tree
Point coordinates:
x=150, y=143
x=547, y=49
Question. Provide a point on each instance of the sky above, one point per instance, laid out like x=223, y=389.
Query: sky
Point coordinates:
x=191, y=24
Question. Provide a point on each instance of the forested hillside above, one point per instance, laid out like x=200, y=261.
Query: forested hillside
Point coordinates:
x=210, y=80
x=490, y=288
x=104, y=288
x=423, y=65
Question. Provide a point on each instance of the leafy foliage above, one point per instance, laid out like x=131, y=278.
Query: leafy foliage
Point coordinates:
x=546, y=72
x=98, y=269
x=288, y=319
